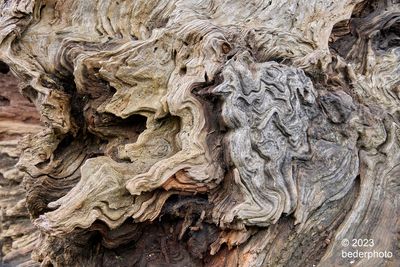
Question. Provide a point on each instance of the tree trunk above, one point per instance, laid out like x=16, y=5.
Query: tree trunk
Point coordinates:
x=200, y=133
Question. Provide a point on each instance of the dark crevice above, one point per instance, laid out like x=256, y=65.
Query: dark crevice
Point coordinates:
x=370, y=21
x=389, y=36
x=183, y=70
x=212, y=112
x=4, y=101
x=149, y=243
x=77, y=101
x=30, y=93
x=206, y=77
x=4, y=68
x=108, y=126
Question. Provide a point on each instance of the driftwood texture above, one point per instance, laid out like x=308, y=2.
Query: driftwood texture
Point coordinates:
x=201, y=132
x=18, y=117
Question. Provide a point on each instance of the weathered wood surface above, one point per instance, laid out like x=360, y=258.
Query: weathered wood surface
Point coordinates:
x=207, y=133
x=18, y=117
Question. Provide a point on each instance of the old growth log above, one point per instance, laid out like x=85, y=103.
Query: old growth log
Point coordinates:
x=200, y=133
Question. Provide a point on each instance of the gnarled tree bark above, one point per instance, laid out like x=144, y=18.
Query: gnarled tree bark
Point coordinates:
x=202, y=133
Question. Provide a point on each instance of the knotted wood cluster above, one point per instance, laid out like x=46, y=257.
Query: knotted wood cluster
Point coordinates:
x=206, y=133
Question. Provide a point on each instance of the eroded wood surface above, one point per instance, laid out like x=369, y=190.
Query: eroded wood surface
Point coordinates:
x=204, y=133
x=18, y=117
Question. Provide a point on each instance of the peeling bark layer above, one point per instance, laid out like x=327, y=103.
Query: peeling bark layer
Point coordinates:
x=206, y=133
